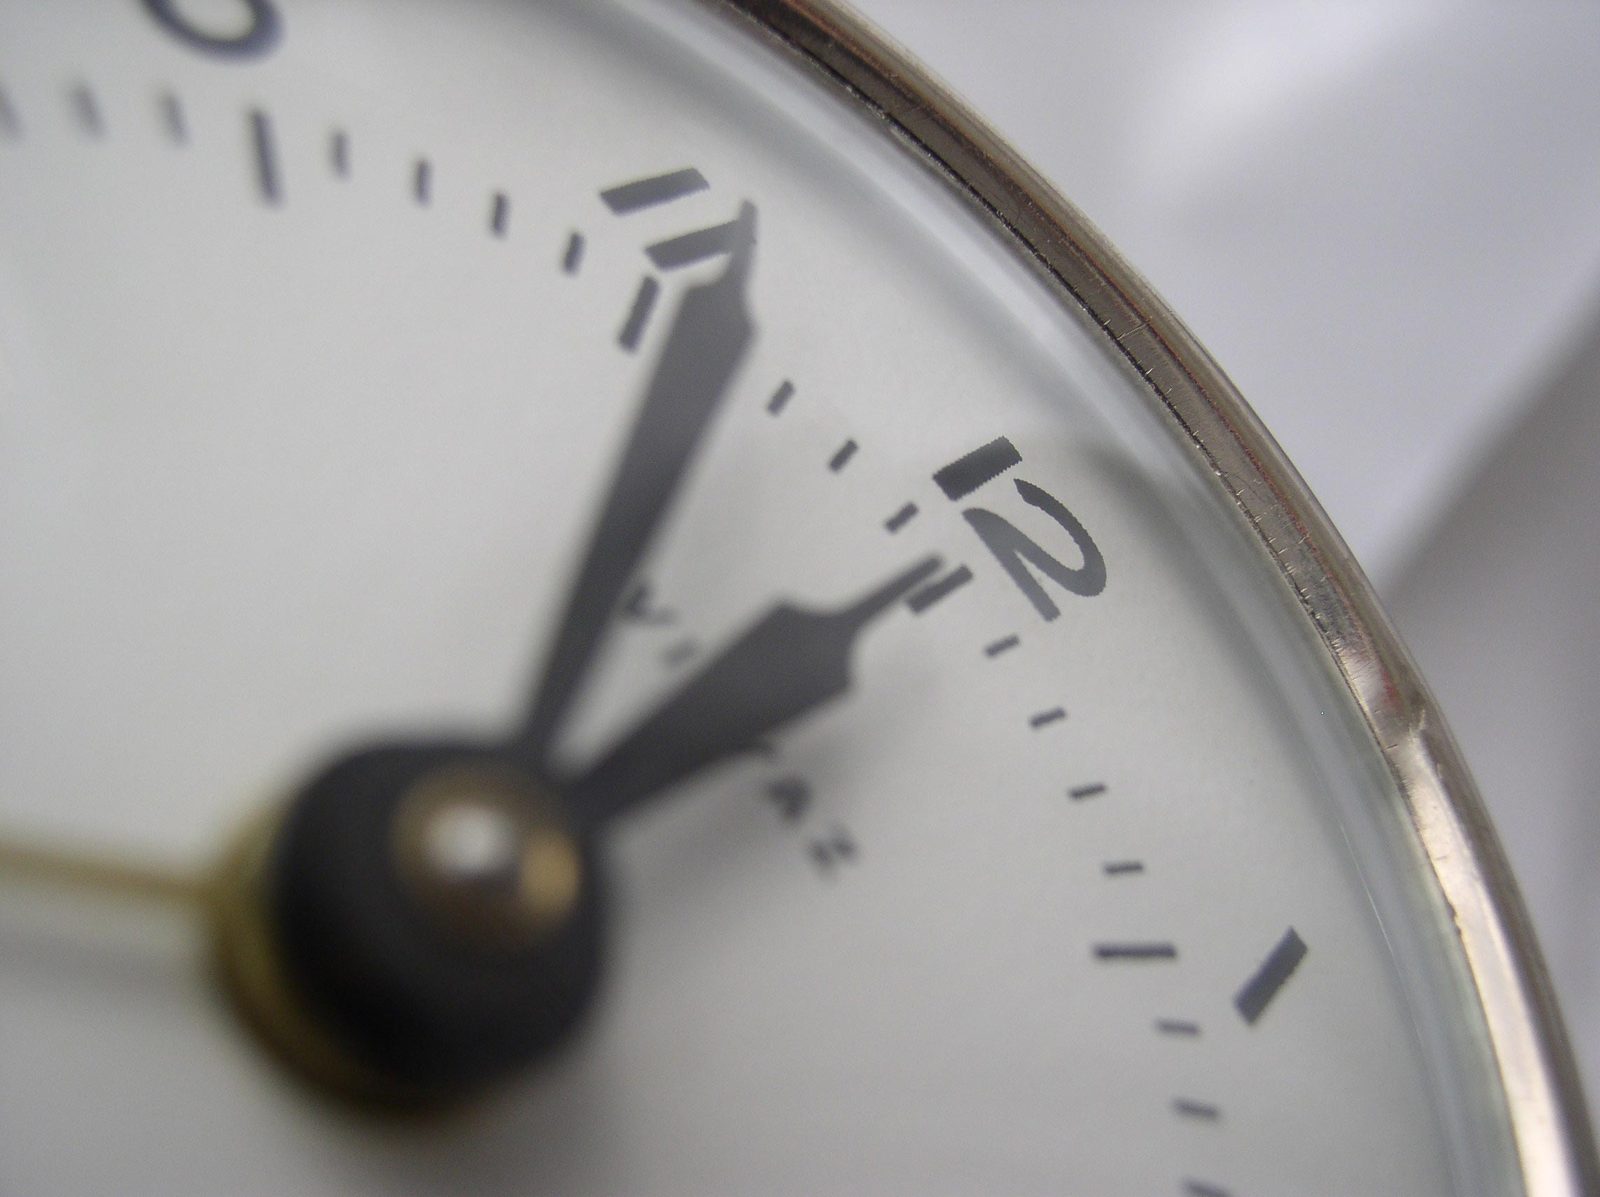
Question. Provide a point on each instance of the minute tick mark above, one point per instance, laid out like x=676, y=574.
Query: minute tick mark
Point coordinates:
x=1186, y=1107
x=266, y=157
x=422, y=181
x=1046, y=718
x=339, y=153
x=1003, y=645
x=499, y=213
x=1178, y=1026
x=1092, y=790
x=644, y=300
x=842, y=455
x=1136, y=952
x=901, y=518
x=572, y=256
x=780, y=398
x=172, y=117
x=1122, y=868
x=10, y=122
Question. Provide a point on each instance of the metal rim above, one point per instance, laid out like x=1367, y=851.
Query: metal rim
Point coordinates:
x=1545, y=1105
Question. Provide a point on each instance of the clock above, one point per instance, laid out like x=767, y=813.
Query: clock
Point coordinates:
x=619, y=598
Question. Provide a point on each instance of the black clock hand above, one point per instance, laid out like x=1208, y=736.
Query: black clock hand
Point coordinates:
x=426, y=916
x=368, y=946
x=708, y=338
x=423, y=919
x=787, y=663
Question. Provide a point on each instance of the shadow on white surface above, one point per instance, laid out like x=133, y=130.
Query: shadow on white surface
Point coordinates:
x=1500, y=610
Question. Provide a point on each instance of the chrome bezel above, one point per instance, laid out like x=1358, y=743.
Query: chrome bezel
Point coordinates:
x=1544, y=1101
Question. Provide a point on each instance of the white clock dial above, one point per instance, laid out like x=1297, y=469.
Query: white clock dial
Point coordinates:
x=975, y=805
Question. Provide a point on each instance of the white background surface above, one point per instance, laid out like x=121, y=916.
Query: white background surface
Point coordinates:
x=1383, y=219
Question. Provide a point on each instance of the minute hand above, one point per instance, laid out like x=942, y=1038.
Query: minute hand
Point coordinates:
x=709, y=336
x=788, y=662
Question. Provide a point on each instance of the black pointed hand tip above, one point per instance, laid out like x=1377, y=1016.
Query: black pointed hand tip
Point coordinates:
x=741, y=248
x=786, y=664
x=876, y=602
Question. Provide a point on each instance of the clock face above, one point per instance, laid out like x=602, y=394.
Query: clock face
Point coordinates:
x=978, y=809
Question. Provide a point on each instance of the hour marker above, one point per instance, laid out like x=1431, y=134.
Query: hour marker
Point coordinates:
x=1135, y=951
x=966, y=474
x=266, y=157
x=87, y=109
x=841, y=456
x=499, y=213
x=639, y=314
x=1121, y=868
x=1092, y=790
x=1178, y=1026
x=422, y=181
x=901, y=518
x=693, y=247
x=1046, y=718
x=572, y=256
x=780, y=397
x=339, y=153
x=1186, y=1108
x=1003, y=645
x=1252, y=1000
x=172, y=117
x=920, y=600
x=659, y=189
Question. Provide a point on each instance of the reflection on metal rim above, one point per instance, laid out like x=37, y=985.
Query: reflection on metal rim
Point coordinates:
x=1546, y=1108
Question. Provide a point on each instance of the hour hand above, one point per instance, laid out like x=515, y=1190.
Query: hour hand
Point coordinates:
x=788, y=662
x=431, y=909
